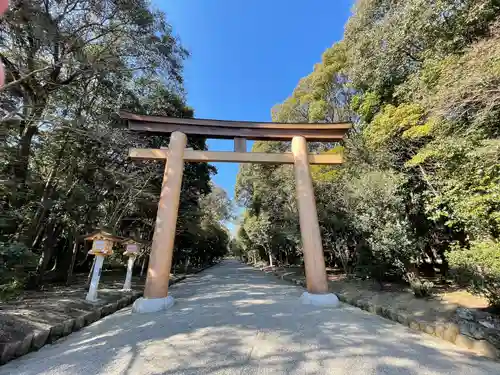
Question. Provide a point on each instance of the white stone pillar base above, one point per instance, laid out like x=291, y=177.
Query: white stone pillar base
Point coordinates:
x=328, y=299
x=147, y=305
x=94, y=282
x=127, y=285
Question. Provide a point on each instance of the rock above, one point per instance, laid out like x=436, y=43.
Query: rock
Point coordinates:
x=493, y=337
x=393, y=315
x=120, y=304
x=428, y=328
x=68, y=326
x=8, y=351
x=386, y=312
x=439, y=330
x=40, y=337
x=464, y=341
x=464, y=313
x=372, y=308
x=414, y=325
x=450, y=332
x=107, y=310
x=486, y=324
x=56, y=332
x=472, y=330
x=79, y=323
x=402, y=318
x=25, y=345
x=114, y=307
x=91, y=317
x=485, y=348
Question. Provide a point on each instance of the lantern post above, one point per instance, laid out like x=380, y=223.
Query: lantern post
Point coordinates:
x=132, y=249
x=102, y=246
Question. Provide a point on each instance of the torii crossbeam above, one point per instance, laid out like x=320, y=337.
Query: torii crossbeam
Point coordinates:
x=156, y=291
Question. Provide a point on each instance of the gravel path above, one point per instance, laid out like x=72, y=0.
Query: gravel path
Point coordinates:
x=232, y=319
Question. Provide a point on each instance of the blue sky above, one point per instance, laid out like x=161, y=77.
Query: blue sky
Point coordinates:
x=247, y=56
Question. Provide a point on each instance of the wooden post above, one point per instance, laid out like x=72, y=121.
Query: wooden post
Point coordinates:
x=240, y=145
x=162, y=247
x=309, y=227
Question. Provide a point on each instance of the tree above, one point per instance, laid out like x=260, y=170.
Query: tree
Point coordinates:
x=419, y=81
x=63, y=163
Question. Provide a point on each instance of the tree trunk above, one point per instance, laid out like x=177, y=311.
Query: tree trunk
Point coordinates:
x=48, y=250
x=73, y=258
x=20, y=167
x=270, y=259
x=32, y=234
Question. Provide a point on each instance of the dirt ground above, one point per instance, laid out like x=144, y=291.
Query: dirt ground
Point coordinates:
x=33, y=310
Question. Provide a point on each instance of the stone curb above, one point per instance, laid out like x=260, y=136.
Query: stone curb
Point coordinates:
x=37, y=339
x=447, y=331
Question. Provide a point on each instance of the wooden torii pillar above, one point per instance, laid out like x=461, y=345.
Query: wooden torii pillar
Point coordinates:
x=156, y=296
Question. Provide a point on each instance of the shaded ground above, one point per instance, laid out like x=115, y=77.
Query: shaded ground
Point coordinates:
x=232, y=319
x=37, y=310
x=440, y=307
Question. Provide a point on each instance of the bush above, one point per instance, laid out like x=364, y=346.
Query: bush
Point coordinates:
x=377, y=210
x=15, y=262
x=421, y=288
x=478, y=268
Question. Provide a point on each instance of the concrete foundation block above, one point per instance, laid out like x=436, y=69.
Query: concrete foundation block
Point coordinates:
x=328, y=299
x=147, y=305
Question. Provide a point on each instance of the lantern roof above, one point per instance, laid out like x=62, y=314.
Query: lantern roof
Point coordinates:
x=131, y=240
x=102, y=234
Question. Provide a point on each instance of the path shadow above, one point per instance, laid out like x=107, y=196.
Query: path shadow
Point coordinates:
x=234, y=319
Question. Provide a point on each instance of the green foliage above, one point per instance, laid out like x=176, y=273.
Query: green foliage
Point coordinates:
x=366, y=105
x=16, y=261
x=420, y=82
x=63, y=163
x=386, y=41
x=378, y=213
x=479, y=268
x=391, y=122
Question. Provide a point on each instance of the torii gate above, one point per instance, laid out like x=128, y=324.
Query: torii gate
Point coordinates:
x=156, y=296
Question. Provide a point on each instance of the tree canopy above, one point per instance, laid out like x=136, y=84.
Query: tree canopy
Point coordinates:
x=70, y=66
x=420, y=182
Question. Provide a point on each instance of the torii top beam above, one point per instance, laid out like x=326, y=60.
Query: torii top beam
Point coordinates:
x=259, y=131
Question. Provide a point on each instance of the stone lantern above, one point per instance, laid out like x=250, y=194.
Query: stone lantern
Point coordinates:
x=132, y=250
x=102, y=246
